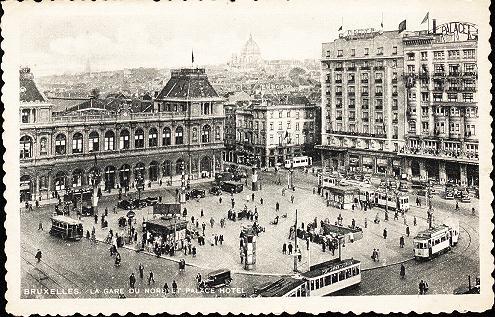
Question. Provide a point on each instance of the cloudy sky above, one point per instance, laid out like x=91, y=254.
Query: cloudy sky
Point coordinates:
x=114, y=35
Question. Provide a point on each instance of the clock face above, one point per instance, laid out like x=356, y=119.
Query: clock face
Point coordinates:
x=23, y=89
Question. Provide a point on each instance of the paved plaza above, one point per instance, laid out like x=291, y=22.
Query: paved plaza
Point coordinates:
x=270, y=261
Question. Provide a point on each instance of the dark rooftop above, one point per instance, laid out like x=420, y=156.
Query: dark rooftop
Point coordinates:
x=187, y=83
x=29, y=92
x=280, y=287
x=324, y=267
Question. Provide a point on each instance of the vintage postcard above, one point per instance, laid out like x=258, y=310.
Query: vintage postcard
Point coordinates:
x=247, y=156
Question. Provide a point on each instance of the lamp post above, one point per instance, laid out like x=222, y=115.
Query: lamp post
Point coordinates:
x=295, y=244
x=430, y=209
x=290, y=177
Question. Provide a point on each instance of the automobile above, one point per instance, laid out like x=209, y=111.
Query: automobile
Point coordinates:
x=195, y=194
x=150, y=201
x=215, y=190
x=465, y=198
x=449, y=195
x=215, y=279
x=124, y=204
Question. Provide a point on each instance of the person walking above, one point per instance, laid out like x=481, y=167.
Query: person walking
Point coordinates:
x=307, y=243
x=457, y=206
x=174, y=287
x=284, y=248
x=132, y=281
x=290, y=248
x=40, y=226
x=402, y=271
x=220, y=200
x=212, y=221
x=38, y=255
x=202, y=214
x=165, y=288
x=378, y=255
x=261, y=201
x=292, y=198
x=401, y=242
x=415, y=222
x=421, y=287
x=241, y=254
x=277, y=206
x=151, y=278
x=203, y=225
x=408, y=231
x=366, y=222
x=385, y=233
x=141, y=271
x=252, y=197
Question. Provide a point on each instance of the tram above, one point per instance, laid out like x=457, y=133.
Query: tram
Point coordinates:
x=393, y=200
x=66, y=228
x=298, y=161
x=435, y=241
x=322, y=279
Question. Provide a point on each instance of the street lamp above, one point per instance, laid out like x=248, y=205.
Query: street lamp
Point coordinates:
x=95, y=177
x=290, y=177
x=295, y=244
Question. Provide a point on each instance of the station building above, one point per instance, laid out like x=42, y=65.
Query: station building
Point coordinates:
x=180, y=129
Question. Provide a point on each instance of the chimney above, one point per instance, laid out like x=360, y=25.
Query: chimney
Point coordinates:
x=434, y=27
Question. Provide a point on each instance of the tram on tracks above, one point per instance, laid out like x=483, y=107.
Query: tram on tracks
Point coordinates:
x=435, y=241
x=322, y=279
x=392, y=199
x=298, y=161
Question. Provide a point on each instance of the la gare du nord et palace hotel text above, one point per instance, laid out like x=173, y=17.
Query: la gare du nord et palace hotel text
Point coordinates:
x=393, y=103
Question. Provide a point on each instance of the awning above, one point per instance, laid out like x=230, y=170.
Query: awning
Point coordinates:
x=368, y=161
x=381, y=162
x=396, y=163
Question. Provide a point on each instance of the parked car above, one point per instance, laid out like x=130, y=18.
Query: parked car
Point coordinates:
x=195, y=194
x=124, y=204
x=150, y=201
x=215, y=190
x=215, y=279
x=449, y=195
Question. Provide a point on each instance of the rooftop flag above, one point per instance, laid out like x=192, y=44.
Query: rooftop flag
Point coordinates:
x=402, y=26
x=426, y=18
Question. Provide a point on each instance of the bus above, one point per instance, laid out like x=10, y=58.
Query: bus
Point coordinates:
x=298, y=161
x=322, y=279
x=435, y=241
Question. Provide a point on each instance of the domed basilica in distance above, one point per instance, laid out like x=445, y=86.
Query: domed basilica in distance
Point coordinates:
x=249, y=57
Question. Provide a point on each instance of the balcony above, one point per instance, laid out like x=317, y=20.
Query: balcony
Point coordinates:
x=394, y=80
x=378, y=94
x=453, y=89
x=365, y=67
x=378, y=80
x=339, y=69
x=359, y=134
x=378, y=120
x=338, y=93
x=396, y=107
x=454, y=74
x=328, y=81
x=470, y=74
x=423, y=75
x=395, y=121
x=328, y=93
x=351, y=93
x=351, y=69
x=439, y=74
x=364, y=93
x=364, y=81
x=438, y=88
x=338, y=118
x=365, y=107
x=352, y=118
x=338, y=106
x=472, y=89
x=378, y=68
x=365, y=119
x=351, y=81
x=338, y=81
x=394, y=94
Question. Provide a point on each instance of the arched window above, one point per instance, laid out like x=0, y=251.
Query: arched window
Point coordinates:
x=205, y=134
x=138, y=138
x=179, y=165
x=60, y=144
x=94, y=142
x=59, y=181
x=153, y=138
x=218, y=135
x=125, y=142
x=167, y=168
x=43, y=146
x=26, y=147
x=179, y=135
x=77, y=143
x=167, y=136
x=109, y=141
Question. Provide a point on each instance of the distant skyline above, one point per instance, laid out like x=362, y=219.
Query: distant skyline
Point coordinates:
x=63, y=38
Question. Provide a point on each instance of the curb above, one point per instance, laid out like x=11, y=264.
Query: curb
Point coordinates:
x=387, y=265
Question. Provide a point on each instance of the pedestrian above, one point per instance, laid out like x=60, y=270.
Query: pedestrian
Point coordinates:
x=252, y=197
x=277, y=206
x=241, y=254
x=415, y=221
x=323, y=246
x=307, y=243
x=421, y=287
x=292, y=198
x=212, y=221
x=151, y=278
x=141, y=271
x=40, y=226
x=174, y=287
x=418, y=202
x=473, y=211
x=261, y=201
x=408, y=232
x=401, y=242
x=106, y=211
x=216, y=240
x=457, y=206
x=385, y=233
x=96, y=218
x=165, y=288
x=198, y=278
x=299, y=255
x=378, y=255
x=402, y=271
x=203, y=225
x=284, y=248
x=202, y=213
x=38, y=255
x=132, y=280
x=290, y=248
x=219, y=200
x=366, y=222
x=373, y=255
x=192, y=219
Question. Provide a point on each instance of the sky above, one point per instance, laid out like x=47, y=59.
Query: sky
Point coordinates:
x=115, y=35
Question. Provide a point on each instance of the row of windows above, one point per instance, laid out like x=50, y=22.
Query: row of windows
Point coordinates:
x=109, y=141
x=362, y=51
x=451, y=54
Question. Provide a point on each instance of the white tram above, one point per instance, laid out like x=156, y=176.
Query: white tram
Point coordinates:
x=298, y=161
x=322, y=279
x=393, y=200
x=435, y=241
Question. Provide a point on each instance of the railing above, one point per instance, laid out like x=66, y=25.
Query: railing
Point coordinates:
x=338, y=93
x=379, y=68
x=351, y=81
x=353, y=68
x=351, y=93
x=440, y=153
x=362, y=134
x=394, y=81
x=364, y=93
x=338, y=81
x=339, y=69
x=365, y=67
x=364, y=81
x=378, y=80
x=378, y=94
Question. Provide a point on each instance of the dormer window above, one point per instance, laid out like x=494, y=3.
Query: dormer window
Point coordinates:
x=25, y=114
